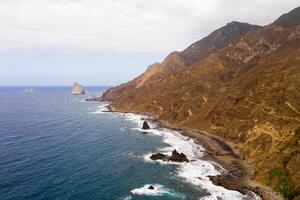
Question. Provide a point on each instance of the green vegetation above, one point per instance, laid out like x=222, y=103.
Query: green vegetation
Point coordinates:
x=281, y=181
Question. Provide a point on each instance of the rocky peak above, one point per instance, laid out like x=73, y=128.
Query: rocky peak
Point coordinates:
x=176, y=61
x=222, y=37
x=291, y=18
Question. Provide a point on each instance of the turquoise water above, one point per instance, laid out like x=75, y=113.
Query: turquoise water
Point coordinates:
x=53, y=146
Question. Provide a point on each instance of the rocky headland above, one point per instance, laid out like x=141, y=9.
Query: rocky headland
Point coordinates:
x=240, y=84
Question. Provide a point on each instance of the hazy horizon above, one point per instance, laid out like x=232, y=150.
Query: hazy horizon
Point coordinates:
x=55, y=42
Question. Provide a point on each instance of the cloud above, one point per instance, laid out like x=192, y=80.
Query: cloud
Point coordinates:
x=128, y=26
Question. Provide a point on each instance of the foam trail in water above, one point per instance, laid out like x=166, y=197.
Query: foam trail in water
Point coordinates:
x=127, y=197
x=159, y=190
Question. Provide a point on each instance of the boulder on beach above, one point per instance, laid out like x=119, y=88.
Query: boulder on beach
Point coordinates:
x=77, y=89
x=145, y=126
x=175, y=157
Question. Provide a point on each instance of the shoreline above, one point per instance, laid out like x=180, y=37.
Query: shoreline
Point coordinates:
x=218, y=151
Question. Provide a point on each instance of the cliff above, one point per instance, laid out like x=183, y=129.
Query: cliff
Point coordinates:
x=242, y=82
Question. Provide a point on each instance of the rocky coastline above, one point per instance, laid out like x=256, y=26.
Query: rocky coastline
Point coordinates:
x=239, y=172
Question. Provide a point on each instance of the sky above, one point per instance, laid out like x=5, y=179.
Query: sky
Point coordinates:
x=108, y=42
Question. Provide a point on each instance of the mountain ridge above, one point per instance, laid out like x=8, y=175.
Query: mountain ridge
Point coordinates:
x=291, y=18
x=177, y=61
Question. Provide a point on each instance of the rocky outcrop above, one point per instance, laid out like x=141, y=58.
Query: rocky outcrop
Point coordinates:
x=78, y=89
x=289, y=19
x=175, y=157
x=94, y=98
x=178, y=157
x=145, y=126
x=151, y=187
x=159, y=156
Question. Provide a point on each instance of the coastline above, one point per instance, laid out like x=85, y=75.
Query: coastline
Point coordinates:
x=219, y=152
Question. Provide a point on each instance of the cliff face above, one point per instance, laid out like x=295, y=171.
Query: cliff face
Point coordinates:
x=246, y=91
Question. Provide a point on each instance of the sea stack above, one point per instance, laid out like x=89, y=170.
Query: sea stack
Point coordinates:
x=145, y=126
x=151, y=187
x=77, y=89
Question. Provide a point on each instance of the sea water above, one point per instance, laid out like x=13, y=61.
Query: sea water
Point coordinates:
x=57, y=146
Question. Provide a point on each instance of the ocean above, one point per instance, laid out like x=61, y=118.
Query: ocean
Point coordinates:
x=57, y=146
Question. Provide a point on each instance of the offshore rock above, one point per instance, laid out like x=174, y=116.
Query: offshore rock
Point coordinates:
x=151, y=187
x=178, y=157
x=77, y=89
x=175, y=157
x=145, y=126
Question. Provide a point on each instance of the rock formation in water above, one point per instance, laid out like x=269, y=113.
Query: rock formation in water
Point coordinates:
x=175, y=157
x=77, y=89
x=178, y=157
x=242, y=83
x=159, y=156
x=145, y=126
x=94, y=98
x=151, y=187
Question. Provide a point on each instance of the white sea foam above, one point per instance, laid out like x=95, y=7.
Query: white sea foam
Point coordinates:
x=101, y=108
x=159, y=190
x=127, y=197
x=195, y=172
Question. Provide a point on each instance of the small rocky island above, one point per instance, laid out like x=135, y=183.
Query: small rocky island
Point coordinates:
x=175, y=157
x=78, y=89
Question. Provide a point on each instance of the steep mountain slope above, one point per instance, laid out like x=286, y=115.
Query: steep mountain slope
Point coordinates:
x=177, y=61
x=289, y=19
x=247, y=92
